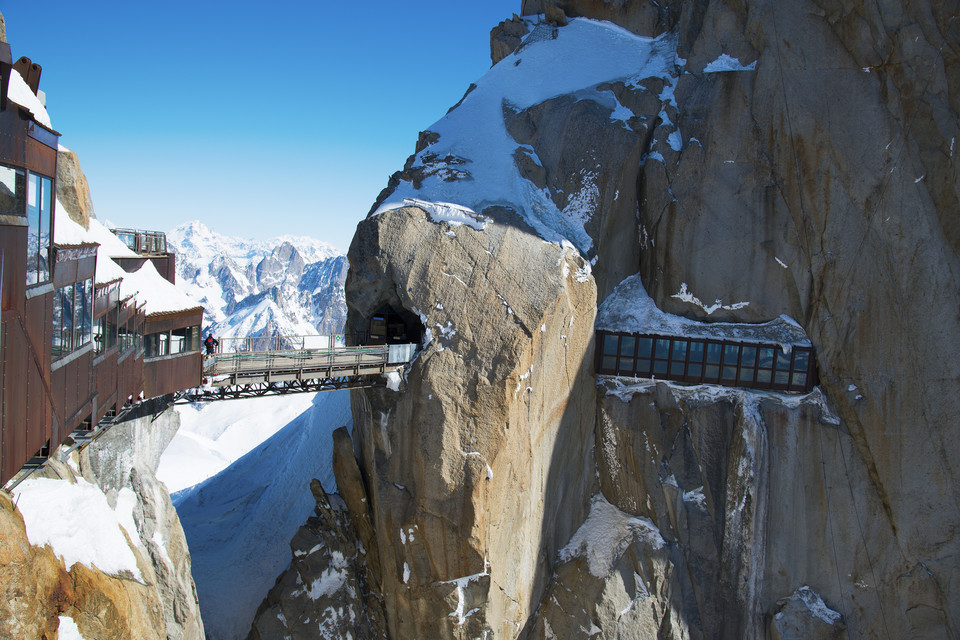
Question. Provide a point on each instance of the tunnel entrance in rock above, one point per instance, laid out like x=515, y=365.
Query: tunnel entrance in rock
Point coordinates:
x=389, y=326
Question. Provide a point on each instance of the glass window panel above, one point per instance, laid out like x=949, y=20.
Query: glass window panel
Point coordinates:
x=676, y=368
x=609, y=363
x=659, y=367
x=178, y=340
x=799, y=379
x=746, y=375
x=627, y=345
x=643, y=367
x=748, y=356
x=694, y=370
x=696, y=351
x=663, y=348
x=88, y=310
x=679, y=350
x=711, y=372
x=13, y=191
x=62, y=318
x=609, y=344
x=113, y=317
x=801, y=360
x=713, y=353
x=98, y=331
x=46, y=215
x=781, y=378
x=644, y=347
x=67, y=318
x=83, y=312
x=783, y=360
x=163, y=344
x=626, y=365
x=39, y=196
x=33, y=229
x=766, y=357
x=729, y=374
x=730, y=354
x=764, y=375
x=151, y=345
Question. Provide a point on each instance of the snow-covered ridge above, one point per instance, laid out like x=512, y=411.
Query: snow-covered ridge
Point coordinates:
x=472, y=162
x=290, y=285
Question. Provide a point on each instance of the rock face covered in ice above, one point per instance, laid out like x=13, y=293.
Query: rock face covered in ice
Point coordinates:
x=739, y=162
x=159, y=602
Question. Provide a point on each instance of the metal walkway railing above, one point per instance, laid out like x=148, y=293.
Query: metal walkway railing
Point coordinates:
x=246, y=374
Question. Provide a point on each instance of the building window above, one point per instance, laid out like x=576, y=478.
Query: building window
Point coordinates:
x=105, y=333
x=72, y=317
x=171, y=343
x=39, y=214
x=63, y=321
x=13, y=191
x=126, y=338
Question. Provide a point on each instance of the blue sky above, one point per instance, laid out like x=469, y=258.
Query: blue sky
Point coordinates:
x=258, y=119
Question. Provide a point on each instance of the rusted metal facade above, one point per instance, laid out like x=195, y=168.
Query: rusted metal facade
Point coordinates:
x=28, y=420
x=166, y=373
x=71, y=351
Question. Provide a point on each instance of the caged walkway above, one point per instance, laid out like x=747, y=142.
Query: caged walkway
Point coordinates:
x=282, y=369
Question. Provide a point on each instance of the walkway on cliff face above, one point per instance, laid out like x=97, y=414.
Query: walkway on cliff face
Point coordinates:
x=279, y=371
x=699, y=360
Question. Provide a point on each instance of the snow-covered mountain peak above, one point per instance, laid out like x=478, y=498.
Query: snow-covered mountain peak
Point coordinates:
x=291, y=285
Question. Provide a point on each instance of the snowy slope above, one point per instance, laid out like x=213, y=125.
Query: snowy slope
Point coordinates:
x=472, y=164
x=214, y=435
x=290, y=285
x=239, y=522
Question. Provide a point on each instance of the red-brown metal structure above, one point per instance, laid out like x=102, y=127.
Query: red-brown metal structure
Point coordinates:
x=72, y=351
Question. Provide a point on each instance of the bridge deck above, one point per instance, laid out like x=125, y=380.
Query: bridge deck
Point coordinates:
x=257, y=373
x=307, y=364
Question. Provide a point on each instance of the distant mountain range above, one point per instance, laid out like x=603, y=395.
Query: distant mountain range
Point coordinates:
x=290, y=285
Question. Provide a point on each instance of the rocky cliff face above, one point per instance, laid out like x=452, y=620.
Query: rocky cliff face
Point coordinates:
x=73, y=190
x=746, y=160
x=40, y=590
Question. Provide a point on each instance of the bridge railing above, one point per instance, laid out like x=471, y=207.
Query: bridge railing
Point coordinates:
x=255, y=344
x=307, y=360
x=754, y=365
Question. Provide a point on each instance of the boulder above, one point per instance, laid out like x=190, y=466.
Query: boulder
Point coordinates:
x=324, y=593
x=479, y=469
x=505, y=38
x=73, y=192
x=40, y=590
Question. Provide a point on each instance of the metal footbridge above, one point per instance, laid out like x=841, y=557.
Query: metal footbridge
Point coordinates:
x=281, y=370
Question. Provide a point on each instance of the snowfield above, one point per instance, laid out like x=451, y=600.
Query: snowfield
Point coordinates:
x=239, y=522
x=572, y=60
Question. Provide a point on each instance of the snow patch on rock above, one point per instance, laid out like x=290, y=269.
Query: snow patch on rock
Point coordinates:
x=606, y=534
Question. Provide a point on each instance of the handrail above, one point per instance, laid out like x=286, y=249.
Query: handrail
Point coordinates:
x=143, y=242
x=253, y=344
x=306, y=360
